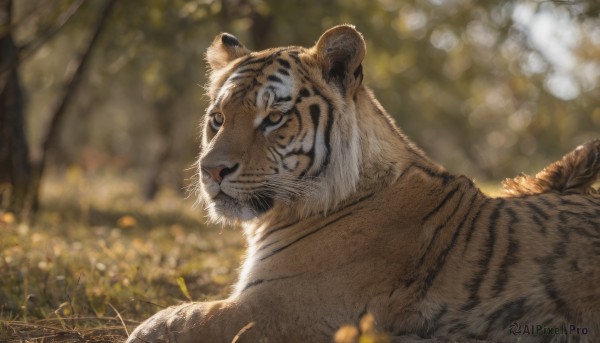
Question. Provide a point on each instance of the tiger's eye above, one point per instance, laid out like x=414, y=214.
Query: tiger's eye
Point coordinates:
x=218, y=118
x=275, y=117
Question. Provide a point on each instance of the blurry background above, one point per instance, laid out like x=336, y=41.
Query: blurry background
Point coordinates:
x=488, y=89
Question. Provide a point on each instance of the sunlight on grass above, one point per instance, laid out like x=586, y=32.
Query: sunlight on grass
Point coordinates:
x=97, y=248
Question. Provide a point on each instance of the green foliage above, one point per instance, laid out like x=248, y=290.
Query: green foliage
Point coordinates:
x=464, y=79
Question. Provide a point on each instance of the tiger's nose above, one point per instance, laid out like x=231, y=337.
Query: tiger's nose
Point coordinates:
x=219, y=172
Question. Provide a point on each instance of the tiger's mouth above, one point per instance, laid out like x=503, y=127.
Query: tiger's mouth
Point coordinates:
x=235, y=208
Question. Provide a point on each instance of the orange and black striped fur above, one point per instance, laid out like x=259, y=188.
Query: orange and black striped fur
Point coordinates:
x=345, y=216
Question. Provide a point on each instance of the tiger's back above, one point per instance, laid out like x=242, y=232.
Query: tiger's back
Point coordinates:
x=485, y=264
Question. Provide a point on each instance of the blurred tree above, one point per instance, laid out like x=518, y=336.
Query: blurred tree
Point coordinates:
x=71, y=84
x=457, y=75
x=15, y=170
x=19, y=177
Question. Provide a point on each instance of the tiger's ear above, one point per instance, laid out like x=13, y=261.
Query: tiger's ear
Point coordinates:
x=224, y=49
x=340, y=52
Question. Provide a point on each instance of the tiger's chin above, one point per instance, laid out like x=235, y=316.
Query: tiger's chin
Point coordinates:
x=227, y=209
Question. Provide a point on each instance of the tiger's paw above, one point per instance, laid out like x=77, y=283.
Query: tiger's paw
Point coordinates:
x=173, y=324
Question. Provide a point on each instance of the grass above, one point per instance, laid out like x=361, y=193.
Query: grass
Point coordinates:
x=98, y=260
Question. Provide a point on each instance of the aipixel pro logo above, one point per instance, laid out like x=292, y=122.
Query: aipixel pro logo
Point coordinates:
x=520, y=329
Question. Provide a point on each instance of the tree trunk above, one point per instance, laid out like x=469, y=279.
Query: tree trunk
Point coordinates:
x=163, y=119
x=15, y=171
x=71, y=85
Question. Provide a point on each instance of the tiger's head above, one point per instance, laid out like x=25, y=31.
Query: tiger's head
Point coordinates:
x=281, y=127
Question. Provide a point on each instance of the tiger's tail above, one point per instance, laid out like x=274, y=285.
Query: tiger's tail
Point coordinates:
x=575, y=173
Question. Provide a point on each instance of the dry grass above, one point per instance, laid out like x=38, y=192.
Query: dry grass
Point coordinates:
x=98, y=260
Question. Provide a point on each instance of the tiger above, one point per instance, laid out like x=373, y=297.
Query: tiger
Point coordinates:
x=345, y=216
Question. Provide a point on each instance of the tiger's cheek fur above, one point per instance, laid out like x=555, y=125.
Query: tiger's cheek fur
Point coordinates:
x=284, y=146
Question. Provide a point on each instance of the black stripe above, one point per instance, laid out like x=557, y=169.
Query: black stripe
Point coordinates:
x=511, y=254
x=508, y=313
x=541, y=225
x=537, y=214
x=547, y=266
x=249, y=70
x=434, y=237
x=469, y=234
x=247, y=181
x=294, y=56
x=275, y=152
x=284, y=63
x=592, y=200
x=361, y=199
x=563, y=218
x=250, y=60
x=475, y=284
x=265, y=60
x=545, y=201
x=460, y=327
x=571, y=202
x=238, y=77
x=304, y=93
x=368, y=196
x=282, y=145
x=581, y=214
x=274, y=78
x=315, y=112
x=249, y=102
x=444, y=175
x=305, y=77
x=294, y=113
x=311, y=153
x=537, y=210
x=277, y=228
x=434, y=323
x=238, y=93
x=441, y=204
x=280, y=249
x=329, y=125
x=583, y=232
x=272, y=157
x=327, y=133
x=252, y=284
x=261, y=281
x=441, y=260
x=284, y=99
x=550, y=288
